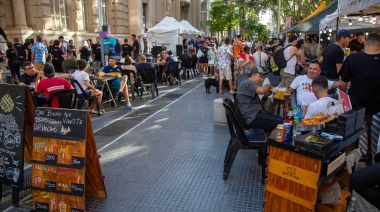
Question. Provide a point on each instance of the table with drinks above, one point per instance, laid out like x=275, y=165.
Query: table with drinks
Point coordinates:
x=300, y=171
x=105, y=85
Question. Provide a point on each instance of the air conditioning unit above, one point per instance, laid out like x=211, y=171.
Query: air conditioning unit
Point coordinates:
x=185, y=2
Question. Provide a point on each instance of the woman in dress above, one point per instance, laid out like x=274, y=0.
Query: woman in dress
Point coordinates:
x=83, y=78
x=212, y=60
x=128, y=65
x=301, y=61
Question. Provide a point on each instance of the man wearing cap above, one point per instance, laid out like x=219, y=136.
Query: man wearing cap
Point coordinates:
x=49, y=84
x=250, y=105
x=120, y=83
x=333, y=56
x=360, y=40
x=198, y=43
x=362, y=69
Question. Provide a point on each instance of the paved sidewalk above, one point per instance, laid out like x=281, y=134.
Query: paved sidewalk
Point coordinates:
x=173, y=161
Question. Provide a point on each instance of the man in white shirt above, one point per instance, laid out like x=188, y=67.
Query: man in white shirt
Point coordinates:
x=63, y=44
x=302, y=84
x=324, y=104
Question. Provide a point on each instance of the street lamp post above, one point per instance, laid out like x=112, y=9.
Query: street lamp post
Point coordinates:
x=100, y=15
x=278, y=18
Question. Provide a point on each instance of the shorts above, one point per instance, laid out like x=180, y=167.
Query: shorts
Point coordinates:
x=1, y=65
x=225, y=73
x=115, y=84
x=286, y=78
x=39, y=66
x=87, y=92
x=266, y=121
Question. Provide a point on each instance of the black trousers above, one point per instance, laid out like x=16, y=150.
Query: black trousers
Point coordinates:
x=366, y=182
x=14, y=67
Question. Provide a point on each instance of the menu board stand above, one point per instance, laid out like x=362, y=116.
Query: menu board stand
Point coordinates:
x=65, y=162
x=16, y=125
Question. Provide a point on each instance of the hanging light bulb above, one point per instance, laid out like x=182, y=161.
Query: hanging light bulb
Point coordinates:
x=350, y=23
x=320, y=32
x=330, y=30
x=321, y=39
x=360, y=18
x=328, y=38
x=366, y=33
x=324, y=31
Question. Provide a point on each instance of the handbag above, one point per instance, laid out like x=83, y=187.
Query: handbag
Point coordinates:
x=298, y=69
x=211, y=61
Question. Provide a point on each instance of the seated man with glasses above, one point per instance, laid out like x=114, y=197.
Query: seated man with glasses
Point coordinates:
x=29, y=78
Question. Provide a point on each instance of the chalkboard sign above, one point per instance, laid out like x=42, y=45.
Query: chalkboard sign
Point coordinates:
x=12, y=123
x=60, y=123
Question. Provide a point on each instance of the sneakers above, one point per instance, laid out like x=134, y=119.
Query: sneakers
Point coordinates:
x=119, y=95
x=129, y=107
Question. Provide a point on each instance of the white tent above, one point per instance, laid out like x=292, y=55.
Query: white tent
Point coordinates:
x=347, y=7
x=190, y=27
x=168, y=32
x=357, y=22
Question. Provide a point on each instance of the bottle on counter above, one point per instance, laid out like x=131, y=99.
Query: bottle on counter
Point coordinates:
x=295, y=115
x=290, y=117
x=300, y=113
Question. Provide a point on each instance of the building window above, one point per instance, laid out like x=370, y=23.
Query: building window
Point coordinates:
x=84, y=14
x=105, y=12
x=60, y=13
x=144, y=14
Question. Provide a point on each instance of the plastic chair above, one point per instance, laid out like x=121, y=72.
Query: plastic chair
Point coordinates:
x=242, y=138
x=148, y=77
x=65, y=98
x=186, y=65
x=134, y=86
x=82, y=100
x=174, y=71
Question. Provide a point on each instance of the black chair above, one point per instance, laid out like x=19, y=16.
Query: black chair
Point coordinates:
x=174, y=70
x=85, y=98
x=194, y=61
x=186, y=66
x=148, y=78
x=134, y=87
x=242, y=138
x=65, y=98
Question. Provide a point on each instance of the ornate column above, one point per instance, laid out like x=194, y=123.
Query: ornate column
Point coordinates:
x=19, y=13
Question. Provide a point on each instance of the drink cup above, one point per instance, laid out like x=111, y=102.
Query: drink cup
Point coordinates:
x=101, y=74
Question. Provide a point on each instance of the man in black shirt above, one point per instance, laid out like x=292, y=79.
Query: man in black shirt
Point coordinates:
x=73, y=48
x=21, y=50
x=333, y=56
x=29, y=78
x=96, y=54
x=136, y=47
x=360, y=39
x=30, y=75
x=362, y=69
x=126, y=48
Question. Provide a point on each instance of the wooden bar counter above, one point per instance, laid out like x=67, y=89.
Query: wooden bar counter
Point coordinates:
x=296, y=176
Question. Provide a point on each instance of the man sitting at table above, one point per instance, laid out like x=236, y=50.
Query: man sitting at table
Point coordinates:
x=49, y=84
x=250, y=105
x=70, y=64
x=29, y=78
x=145, y=65
x=324, y=104
x=302, y=84
x=120, y=83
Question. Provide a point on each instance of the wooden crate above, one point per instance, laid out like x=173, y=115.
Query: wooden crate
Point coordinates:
x=292, y=181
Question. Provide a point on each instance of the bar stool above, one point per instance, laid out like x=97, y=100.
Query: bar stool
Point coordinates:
x=367, y=158
x=285, y=103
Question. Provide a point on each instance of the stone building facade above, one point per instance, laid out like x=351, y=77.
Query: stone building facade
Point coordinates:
x=78, y=19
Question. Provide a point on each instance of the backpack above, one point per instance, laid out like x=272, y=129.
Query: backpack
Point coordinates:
x=279, y=58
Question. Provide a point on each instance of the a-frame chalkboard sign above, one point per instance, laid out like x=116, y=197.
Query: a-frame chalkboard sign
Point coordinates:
x=16, y=121
x=65, y=161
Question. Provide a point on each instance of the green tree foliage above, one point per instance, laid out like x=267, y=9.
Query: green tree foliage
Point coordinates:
x=250, y=26
x=222, y=17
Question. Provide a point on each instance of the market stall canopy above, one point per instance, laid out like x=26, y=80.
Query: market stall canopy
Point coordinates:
x=357, y=22
x=190, y=27
x=358, y=7
x=316, y=11
x=169, y=24
x=311, y=25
